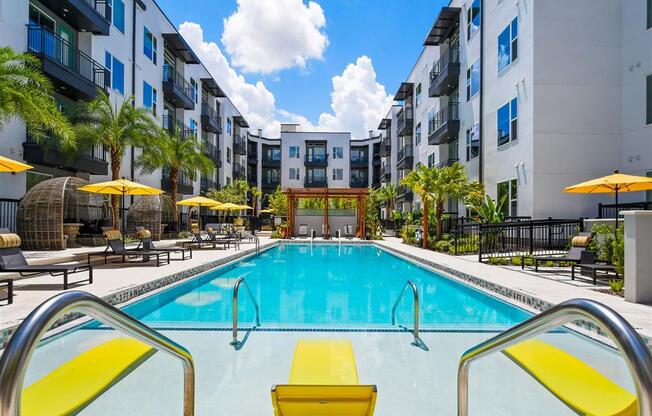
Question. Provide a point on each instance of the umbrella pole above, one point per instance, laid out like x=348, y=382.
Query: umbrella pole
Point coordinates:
x=617, y=215
x=121, y=219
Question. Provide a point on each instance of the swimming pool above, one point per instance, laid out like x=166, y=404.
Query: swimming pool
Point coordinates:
x=325, y=285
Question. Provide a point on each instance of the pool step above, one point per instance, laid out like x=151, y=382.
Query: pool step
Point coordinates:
x=75, y=384
x=582, y=388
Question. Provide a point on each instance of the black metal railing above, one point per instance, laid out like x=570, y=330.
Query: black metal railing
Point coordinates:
x=315, y=182
x=405, y=117
x=42, y=41
x=207, y=184
x=239, y=171
x=405, y=151
x=403, y=190
x=610, y=210
x=96, y=152
x=273, y=156
x=172, y=125
x=316, y=157
x=102, y=7
x=239, y=145
x=359, y=182
x=449, y=56
x=184, y=183
x=211, y=151
x=8, y=210
x=446, y=163
x=360, y=159
x=170, y=74
x=517, y=236
x=449, y=112
x=208, y=111
x=270, y=183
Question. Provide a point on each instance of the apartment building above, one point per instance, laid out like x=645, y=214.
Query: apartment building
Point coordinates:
x=124, y=48
x=530, y=98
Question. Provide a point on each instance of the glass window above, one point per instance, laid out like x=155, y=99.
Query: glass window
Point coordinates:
x=108, y=63
x=150, y=48
x=117, y=70
x=508, y=122
x=338, y=174
x=119, y=15
x=508, y=45
x=473, y=142
x=228, y=125
x=472, y=18
x=193, y=90
x=473, y=80
x=649, y=14
x=294, y=173
x=509, y=191
x=648, y=118
x=417, y=134
x=338, y=153
x=431, y=160
x=149, y=97
x=418, y=95
x=193, y=126
x=294, y=152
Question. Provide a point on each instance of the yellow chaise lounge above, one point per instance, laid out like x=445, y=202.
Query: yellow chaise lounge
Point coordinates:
x=323, y=382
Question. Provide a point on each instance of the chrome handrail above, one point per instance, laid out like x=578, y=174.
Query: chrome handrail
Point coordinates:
x=415, y=293
x=236, y=289
x=21, y=346
x=628, y=341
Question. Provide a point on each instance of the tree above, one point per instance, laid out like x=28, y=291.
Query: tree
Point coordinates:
x=389, y=198
x=26, y=93
x=235, y=193
x=178, y=155
x=278, y=202
x=255, y=194
x=99, y=122
x=422, y=181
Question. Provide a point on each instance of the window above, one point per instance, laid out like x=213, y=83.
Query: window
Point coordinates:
x=472, y=18
x=418, y=95
x=338, y=174
x=150, y=48
x=509, y=191
x=649, y=14
x=338, y=153
x=193, y=90
x=508, y=122
x=119, y=15
x=294, y=174
x=431, y=160
x=508, y=45
x=228, y=155
x=193, y=126
x=648, y=118
x=149, y=97
x=228, y=125
x=117, y=70
x=473, y=80
x=473, y=142
x=294, y=152
x=417, y=134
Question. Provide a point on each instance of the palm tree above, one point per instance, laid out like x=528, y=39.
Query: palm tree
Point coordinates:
x=422, y=181
x=255, y=196
x=102, y=123
x=177, y=154
x=389, y=196
x=26, y=93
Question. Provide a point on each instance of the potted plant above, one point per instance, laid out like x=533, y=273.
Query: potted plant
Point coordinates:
x=283, y=230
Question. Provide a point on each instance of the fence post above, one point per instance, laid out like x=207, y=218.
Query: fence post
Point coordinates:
x=480, y=243
x=531, y=239
x=600, y=210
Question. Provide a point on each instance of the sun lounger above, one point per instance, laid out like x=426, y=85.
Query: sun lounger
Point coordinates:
x=303, y=231
x=323, y=381
x=12, y=260
x=198, y=240
x=115, y=247
x=147, y=244
x=579, y=244
x=348, y=231
x=607, y=270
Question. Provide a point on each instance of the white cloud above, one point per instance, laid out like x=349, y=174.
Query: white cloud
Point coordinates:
x=269, y=35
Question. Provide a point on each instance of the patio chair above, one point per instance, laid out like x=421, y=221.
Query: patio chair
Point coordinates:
x=12, y=260
x=245, y=235
x=115, y=247
x=348, y=231
x=303, y=231
x=324, y=381
x=579, y=244
x=145, y=237
x=226, y=241
x=587, y=263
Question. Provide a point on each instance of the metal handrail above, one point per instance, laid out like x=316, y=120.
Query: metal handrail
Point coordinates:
x=415, y=293
x=21, y=346
x=628, y=341
x=236, y=288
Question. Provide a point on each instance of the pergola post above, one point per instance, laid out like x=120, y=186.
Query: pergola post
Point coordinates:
x=328, y=230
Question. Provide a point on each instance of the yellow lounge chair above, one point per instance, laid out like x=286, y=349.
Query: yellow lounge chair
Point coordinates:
x=578, y=385
x=323, y=382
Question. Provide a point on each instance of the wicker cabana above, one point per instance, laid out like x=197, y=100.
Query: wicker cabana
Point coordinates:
x=154, y=212
x=49, y=205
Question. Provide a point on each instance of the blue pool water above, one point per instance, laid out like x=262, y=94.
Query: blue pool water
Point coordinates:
x=339, y=286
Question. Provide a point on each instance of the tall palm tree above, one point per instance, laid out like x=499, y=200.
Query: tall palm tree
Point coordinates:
x=178, y=154
x=422, y=181
x=390, y=192
x=26, y=93
x=99, y=122
x=255, y=196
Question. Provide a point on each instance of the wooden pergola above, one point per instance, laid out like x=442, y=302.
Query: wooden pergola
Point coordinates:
x=295, y=194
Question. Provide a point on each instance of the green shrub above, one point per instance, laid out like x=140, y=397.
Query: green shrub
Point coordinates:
x=185, y=234
x=529, y=261
x=275, y=234
x=442, y=246
x=619, y=252
x=517, y=261
x=550, y=263
x=503, y=261
x=617, y=285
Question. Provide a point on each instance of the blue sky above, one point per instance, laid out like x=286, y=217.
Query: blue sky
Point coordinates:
x=390, y=32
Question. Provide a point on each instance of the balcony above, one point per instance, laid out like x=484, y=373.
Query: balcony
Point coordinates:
x=48, y=153
x=445, y=73
x=405, y=157
x=359, y=161
x=73, y=73
x=271, y=182
x=207, y=184
x=386, y=146
x=92, y=16
x=239, y=171
x=316, y=160
x=444, y=127
x=272, y=158
x=210, y=120
x=252, y=177
x=210, y=150
x=385, y=174
x=184, y=183
x=173, y=126
x=177, y=90
x=405, y=121
x=252, y=154
x=239, y=145
x=446, y=163
x=315, y=182
x=359, y=182
x=404, y=194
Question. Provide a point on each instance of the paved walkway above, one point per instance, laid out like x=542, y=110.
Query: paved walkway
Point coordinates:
x=549, y=287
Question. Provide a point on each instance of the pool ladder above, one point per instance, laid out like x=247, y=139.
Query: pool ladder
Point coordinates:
x=21, y=346
x=415, y=295
x=236, y=289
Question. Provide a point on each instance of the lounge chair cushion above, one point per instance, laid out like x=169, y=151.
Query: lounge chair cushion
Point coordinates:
x=209, y=230
x=11, y=258
x=581, y=241
x=144, y=234
x=9, y=240
x=113, y=235
x=323, y=362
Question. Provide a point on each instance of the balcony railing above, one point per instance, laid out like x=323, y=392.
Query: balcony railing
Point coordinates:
x=211, y=151
x=206, y=184
x=272, y=157
x=404, y=193
x=270, y=183
x=48, y=152
x=239, y=171
x=446, y=163
x=405, y=121
x=184, y=183
x=102, y=7
x=315, y=182
x=444, y=126
x=316, y=159
x=385, y=174
x=239, y=145
x=405, y=152
x=172, y=126
x=177, y=90
x=359, y=182
x=50, y=47
x=360, y=160
x=210, y=119
x=444, y=75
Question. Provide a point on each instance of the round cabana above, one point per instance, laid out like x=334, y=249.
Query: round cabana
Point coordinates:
x=154, y=212
x=51, y=208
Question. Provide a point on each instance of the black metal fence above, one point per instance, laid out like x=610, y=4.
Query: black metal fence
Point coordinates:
x=610, y=210
x=8, y=210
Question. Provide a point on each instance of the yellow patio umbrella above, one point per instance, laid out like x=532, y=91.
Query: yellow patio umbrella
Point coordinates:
x=120, y=187
x=615, y=183
x=228, y=206
x=198, y=201
x=245, y=206
x=13, y=166
x=266, y=211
